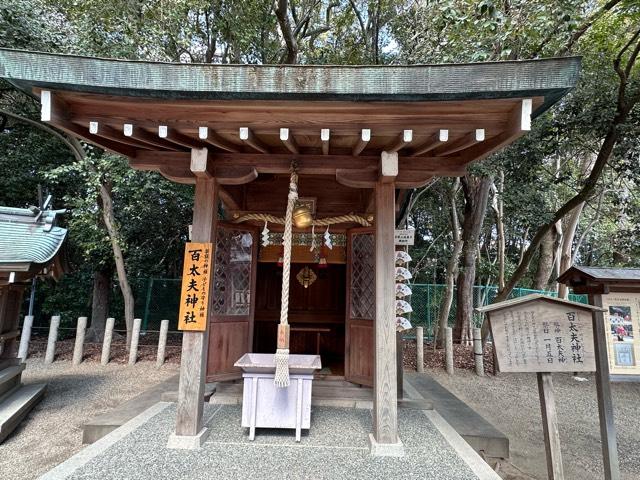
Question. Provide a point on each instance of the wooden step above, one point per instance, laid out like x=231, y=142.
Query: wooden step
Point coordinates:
x=17, y=405
x=10, y=377
x=9, y=362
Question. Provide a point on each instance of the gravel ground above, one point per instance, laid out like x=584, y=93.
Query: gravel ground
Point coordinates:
x=336, y=447
x=52, y=432
x=510, y=402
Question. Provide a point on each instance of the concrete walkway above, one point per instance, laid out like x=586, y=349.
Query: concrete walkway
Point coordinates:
x=336, y=447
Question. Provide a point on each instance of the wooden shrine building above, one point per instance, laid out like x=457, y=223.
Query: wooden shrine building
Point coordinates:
x=30, y=245
x=361, y=137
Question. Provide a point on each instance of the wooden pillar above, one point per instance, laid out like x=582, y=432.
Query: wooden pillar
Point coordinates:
x=550, y=426
x=384, y=440
x=603, y=390
x=189, y=430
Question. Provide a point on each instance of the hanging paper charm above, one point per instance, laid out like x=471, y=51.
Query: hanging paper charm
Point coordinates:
x=313, y=238
x=402, y=290
x=402, y=274
x=402, y=324
x=327, y=239
x=403, y=307
x=265, y=235
x=402, y=257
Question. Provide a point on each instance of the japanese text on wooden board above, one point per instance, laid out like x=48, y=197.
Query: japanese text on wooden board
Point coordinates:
x=194, y=298
x=533, y=338
x=405, y=237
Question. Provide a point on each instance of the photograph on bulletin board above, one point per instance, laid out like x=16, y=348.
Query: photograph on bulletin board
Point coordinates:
x=622, y=314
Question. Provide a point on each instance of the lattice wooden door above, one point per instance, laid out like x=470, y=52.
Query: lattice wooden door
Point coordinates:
x=361, y=302
x=234, y=281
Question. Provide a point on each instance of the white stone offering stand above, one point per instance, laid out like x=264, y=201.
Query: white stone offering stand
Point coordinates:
x=264, y=405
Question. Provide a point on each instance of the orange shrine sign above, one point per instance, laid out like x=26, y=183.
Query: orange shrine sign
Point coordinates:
x=194, y=297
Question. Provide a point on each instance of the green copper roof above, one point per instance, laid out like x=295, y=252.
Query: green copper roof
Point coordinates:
x=28, y=236
x=550, y=78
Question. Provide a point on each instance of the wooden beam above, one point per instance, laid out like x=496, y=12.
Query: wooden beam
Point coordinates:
x=369, y=178
x=178, y=138
x=388, y=166
x=405, y=139
x=520, y=123
x=105, y=131
x=193, y=362
x=247, y=136
x=385, y=398
x=141, y=135
x=307, y=164
x=365, y=137
x=287, y=138
x=199, y=162
x=462, y=143
x=55, y=111
x=324, y=138
x=431, y=144
x=211, y=137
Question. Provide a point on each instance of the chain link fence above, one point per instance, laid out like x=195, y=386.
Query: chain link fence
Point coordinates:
x=159, y=298
x=426, y=300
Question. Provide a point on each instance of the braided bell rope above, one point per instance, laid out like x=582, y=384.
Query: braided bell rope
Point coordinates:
x=281, y=377
x=323, y=222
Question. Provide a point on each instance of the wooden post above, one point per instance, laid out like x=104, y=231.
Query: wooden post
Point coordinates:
x=603, y=390
x=550, y=427
x=25, y=338
x=162, y=342
x=78, y=347
x=399, y=365
x=135, y=338
x=384, y=440
x=419, y=349
x=106, y=342
x=51, y=341
x=448, y=349
x=195, y=344
x=477, y=351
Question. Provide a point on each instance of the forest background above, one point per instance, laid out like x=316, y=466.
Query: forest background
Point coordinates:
x=566, y=193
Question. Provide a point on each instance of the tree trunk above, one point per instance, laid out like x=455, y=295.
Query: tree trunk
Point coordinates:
x=452, y=268
x=545, y=261
x=498, y=207
x=112, y=229
x=99, y=304
x=571, y=225
x=476, y=194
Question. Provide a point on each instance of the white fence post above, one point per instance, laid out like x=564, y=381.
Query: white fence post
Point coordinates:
x=78, y=347
x=419, y=349
x=25, y=338
x=477, y=351
x=449, y=349
x=51, y=342
x=106, y=342
x=135, y=336
x=162, y=342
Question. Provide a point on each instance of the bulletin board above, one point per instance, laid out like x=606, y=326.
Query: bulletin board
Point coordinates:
x=621, y=325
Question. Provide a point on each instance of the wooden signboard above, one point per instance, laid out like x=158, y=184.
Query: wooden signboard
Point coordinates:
x=194, y=297
x=405, y=237
x=622, y=311
x=542, y=336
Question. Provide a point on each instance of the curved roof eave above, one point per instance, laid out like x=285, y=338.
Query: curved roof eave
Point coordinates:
x=551, y=78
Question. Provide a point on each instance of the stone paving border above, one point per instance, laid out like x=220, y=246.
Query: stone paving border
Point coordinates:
x=90, y=452
x=462, y=448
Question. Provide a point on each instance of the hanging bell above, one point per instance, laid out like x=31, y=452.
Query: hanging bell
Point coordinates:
x=302, y=216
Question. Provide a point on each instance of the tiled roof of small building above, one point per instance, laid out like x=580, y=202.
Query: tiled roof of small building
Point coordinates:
x=29, y=235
